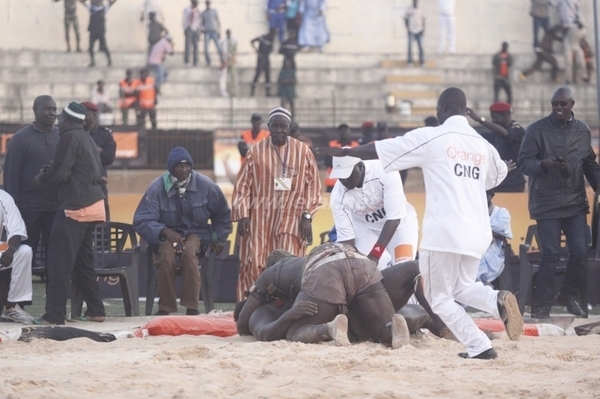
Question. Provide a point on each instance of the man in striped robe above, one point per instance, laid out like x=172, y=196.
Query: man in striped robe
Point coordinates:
x=276, y=194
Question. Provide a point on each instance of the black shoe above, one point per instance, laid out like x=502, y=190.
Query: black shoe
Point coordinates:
x=161, y=313
x=508, y=307
x=192, y=312
x=571, y=304
x=485, y=355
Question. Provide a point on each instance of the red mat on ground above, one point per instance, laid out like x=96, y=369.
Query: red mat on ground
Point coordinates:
x=222, y=326
x=496, y=325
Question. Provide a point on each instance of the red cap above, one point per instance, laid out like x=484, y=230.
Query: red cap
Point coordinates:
x=500, y=107
x=89, y=106
x=368, y=125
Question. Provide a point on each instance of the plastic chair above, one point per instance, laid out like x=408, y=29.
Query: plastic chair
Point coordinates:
x=109, y=246
x=206, y=264
x=529, y=261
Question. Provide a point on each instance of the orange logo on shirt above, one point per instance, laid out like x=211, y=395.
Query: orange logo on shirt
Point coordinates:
x=474, y=157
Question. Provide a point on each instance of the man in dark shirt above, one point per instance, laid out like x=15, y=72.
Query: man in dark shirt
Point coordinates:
x=264, y=49
x=106, y=145
x=76, y=171
x=506, y=136
x=502, y=62
x=28, y=151
x=97, y=27
x=156, y=31
x=290, y=47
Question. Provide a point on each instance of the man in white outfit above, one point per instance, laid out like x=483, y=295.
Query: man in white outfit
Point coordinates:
x=570, y=18
x=16, y=256
x=458, y=166
x=446, y=24
x=371, y=213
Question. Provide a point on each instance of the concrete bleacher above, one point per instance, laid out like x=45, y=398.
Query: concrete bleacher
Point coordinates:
x=332, y=88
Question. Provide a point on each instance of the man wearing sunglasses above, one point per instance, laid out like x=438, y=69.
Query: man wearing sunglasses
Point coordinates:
x=556, y=154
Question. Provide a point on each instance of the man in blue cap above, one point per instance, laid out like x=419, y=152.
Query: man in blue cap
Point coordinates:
x=173, y=216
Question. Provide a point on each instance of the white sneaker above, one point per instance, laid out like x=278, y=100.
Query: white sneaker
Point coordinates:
x=17, y=315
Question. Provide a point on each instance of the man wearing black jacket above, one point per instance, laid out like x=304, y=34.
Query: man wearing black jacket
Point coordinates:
x=76, y=170
x=107, y=147
x=556, y=154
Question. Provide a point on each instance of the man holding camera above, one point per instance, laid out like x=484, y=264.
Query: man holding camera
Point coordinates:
x=556, y=154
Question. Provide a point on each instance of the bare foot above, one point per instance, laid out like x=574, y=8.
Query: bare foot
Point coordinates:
x=400, y=333
x=338, y=330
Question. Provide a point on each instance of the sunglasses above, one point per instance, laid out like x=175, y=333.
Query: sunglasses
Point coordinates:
x=561, y=103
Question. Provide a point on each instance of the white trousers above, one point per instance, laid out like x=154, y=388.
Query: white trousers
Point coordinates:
x=574, y=53
x=20, y=277
x=401, y=248
x=447, y=36
x=450, y=277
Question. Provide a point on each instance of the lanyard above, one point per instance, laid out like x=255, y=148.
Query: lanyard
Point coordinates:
x=287, y=153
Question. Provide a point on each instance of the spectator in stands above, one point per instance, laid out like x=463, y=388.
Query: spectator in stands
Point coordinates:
x=289, y=48
x=192, y=25
x=506, y=135
x=146, y=98
x=228, y=78
x=30, y=149
x=101, y=97
x=71, y=19
x=17, y=257
x=492, y=261
x=252, y=136
x=212, y=31
x=97, y=27
x=127, y=94
x=76, y=171
x=156, y=60
x=431, y=121
x=105, y=142
x=414, y=19
x=287, y=86
x=295, y=133
x=293, y=16
x=368, y=133
x=502, y=62
x=290, y=197
x=447, y=24
x=544, y=52
x=571, y=20
x=276, y=16
x=541, y=18
x=263, y=65
x=344, y=140
x=185, y=231
x=156, y=31
x=152, y=6
x=313, y=31
x=557, y=198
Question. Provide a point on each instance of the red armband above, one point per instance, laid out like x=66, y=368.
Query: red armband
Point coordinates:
x=377, y=251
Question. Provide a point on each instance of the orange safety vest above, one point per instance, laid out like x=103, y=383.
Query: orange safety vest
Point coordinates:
x=128, y=90
x=247, y=137
x=146, y=93
x=329, y=182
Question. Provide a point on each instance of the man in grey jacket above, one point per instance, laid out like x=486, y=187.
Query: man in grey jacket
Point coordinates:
x=556, y=154
x=173, y=216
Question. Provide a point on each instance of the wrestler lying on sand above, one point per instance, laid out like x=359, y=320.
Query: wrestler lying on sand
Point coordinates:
x=299, y=298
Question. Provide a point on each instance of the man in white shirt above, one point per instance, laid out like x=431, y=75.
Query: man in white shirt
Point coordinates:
x=447, y=23
x=458, y=166
x=157, y=57
x=570, y=18
x=415, y=24
x=191, y=27
x=17, y=257
x=371, y=213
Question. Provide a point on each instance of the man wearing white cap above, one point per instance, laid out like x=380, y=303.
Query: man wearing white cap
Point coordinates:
x=276, y=194
x=370, y=211
x=76, y=170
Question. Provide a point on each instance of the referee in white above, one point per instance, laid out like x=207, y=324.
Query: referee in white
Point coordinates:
x=458, y=167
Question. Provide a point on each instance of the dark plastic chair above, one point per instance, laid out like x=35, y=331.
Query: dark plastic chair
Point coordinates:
x=530, y=261
x=206, y=264
x=110, y=239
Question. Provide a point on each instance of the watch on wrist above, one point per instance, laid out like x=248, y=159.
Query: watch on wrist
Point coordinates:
x=482, y=120
x=307, y=216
